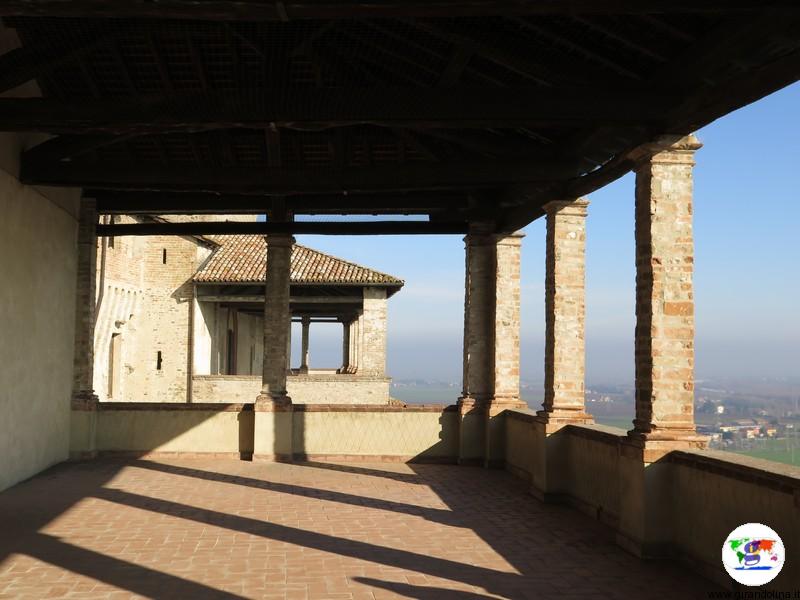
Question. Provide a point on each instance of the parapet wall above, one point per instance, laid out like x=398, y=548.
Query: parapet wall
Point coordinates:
x=302, y=389
x=318, y=432
x=702, y=495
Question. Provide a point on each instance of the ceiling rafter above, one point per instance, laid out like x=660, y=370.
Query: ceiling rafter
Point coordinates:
x=277, y=181
x=455, y=107
x=565, y=42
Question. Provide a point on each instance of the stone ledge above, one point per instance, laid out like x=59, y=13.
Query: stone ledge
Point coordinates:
x=598, y=433
x=527, y=416
x=178, y=406
x=765, y=473
x=393, y=458
x=311, y=377
x=383, y=408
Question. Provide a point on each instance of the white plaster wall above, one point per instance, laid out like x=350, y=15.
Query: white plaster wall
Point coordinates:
x=38, y=258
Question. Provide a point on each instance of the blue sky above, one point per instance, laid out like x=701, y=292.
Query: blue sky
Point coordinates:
x=747, y=267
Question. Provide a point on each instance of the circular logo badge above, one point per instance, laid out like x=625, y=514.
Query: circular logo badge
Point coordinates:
x=753, y=554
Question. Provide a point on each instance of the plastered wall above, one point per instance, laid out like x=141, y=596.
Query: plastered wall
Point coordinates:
x=38, y=258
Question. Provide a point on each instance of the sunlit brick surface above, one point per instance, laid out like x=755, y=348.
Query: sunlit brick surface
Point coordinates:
x=203, y=528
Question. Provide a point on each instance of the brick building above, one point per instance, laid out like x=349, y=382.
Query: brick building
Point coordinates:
x=181, y=319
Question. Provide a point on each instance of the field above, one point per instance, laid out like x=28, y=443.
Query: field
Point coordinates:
x=786, y=451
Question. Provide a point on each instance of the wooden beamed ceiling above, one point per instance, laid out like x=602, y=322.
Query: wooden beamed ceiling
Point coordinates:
x=463, y=111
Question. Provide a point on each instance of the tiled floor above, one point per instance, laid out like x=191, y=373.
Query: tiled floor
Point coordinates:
x=214, y=528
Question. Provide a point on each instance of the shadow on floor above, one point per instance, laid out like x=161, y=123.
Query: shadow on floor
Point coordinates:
x=553, y=551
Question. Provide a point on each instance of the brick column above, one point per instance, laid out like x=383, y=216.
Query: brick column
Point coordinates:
x=491, y=342
x=346, y=326
x=277, y=318
x=564, y=355
x=273, y=422
x=565, y=308
x=373, y=333
x=355, y=336
x=84, y=400
x=664, y=345
x=505, y=344
x=306, y=325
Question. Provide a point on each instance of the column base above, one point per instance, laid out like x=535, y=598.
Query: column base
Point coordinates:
x=651, y=446
x=553, y=420
x=274, y=428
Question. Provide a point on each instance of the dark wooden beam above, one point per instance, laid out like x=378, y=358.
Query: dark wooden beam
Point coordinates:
x=20, y=65
x=236, y=10
x=119, y=203
x=277, y=181
x=455, y=107
x=684, y=119
x=290, y=227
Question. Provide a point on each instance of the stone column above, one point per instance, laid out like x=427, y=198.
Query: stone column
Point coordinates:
x=478, y=309
x=504, y=344
x=306, y=324
x=273, y=426
x=354, y=344
x=277, y=318
x=372, y=359
x=664, y=343
x=346, y=326
x=565, y=309
x=84, y=400
x=564, y=345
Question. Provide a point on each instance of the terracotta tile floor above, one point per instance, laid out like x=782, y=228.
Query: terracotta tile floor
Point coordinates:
x=210, y=528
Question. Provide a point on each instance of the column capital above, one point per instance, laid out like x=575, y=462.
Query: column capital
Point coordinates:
x=279, y=239
x=577, y=207
x=668, y=148
x=509, y=239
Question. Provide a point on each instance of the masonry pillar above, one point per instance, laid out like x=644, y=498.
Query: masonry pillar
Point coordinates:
x=664, y=343
x=479, y=246
x=273, y=422
x=372, y=359
x=84, y=400
x=306, y=324
x=564, y=343
x=354, y=344
x=346, y=326
x=491, y=342
x=504, y=345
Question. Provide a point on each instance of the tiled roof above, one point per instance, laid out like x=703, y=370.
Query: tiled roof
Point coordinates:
x=242, y=259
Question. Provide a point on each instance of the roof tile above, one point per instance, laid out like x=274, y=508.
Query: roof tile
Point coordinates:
x=242, y=259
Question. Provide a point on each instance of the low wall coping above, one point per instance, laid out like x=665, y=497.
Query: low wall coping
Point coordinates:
x=310, y=377
x=765, y=473
x=180, y=406
x=598, y=433
x=520, y=414
x=242, y=407
x=374, y=408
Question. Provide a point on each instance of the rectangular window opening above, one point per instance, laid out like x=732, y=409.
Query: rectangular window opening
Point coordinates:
x=164, y=256
x=158, y=361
